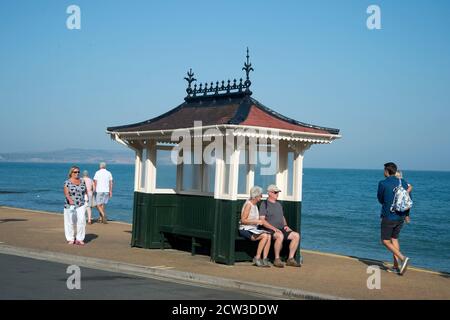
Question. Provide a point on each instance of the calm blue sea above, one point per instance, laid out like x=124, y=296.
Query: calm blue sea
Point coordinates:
x=340, y=210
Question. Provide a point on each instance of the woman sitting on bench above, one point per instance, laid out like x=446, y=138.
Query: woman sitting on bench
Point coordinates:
x=248, y=227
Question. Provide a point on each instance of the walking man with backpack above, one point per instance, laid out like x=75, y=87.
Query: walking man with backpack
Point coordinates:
x=395, y=203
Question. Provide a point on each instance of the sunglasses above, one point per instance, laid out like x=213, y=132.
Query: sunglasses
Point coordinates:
x=276, y=192
x=75, y=171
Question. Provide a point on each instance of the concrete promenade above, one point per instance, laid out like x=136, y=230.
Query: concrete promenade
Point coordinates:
x=40, y=235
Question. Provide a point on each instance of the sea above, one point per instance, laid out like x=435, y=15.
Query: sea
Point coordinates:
x=340, y=211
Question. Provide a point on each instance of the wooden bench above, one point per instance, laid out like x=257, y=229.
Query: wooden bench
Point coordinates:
x=247, y=249
x=186, y=232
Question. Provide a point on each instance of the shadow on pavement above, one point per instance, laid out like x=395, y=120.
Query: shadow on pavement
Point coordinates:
x=90, y=237
x=384, y=267
x=12, y=220
x=370, y=262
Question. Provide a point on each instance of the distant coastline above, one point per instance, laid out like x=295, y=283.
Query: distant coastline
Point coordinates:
x=87, y=156
x=124, y=156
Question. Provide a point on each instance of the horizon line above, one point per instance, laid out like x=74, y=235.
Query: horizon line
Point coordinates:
x=132, y=164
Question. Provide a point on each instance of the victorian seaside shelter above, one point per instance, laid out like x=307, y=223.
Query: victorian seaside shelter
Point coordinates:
x=217, y=144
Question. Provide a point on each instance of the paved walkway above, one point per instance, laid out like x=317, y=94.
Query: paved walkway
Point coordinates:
x=321, y=274
x=24, y=278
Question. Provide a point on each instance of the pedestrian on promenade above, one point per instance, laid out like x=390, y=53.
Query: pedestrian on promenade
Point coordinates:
x=74, y=208
x=271, y=213
x=392, y=222
x=89, y=194
x=103, y=186
x=248, y=227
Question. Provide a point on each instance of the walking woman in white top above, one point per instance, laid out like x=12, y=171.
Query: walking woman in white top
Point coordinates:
x=248, y=228
x=74, y=208
x=90, y=193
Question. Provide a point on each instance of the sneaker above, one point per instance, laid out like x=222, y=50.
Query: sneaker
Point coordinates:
x=278, y=263
x=292, y=263
x=258, y=262
x=266, y=263
x=393, y=270
x=404, y=266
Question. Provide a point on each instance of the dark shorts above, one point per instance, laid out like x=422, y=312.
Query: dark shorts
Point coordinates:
x=248, y=235
x=390, y=229
x=285, y=233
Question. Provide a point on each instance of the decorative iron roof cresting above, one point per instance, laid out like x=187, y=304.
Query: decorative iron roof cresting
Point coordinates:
x=222, y=88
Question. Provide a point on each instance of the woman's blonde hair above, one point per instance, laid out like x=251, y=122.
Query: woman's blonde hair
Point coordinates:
x=72, y=169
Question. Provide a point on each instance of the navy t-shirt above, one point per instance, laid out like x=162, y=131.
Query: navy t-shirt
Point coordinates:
x=386, y=198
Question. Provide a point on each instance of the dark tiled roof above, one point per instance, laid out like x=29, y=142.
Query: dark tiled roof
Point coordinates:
x=234, y=108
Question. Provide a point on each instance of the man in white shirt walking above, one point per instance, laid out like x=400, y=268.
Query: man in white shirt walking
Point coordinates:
x=103, y=184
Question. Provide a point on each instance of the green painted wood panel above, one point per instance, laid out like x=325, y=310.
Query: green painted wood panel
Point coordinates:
x=221, y=217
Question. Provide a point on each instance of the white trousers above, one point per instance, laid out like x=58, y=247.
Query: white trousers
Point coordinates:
x=75, y=217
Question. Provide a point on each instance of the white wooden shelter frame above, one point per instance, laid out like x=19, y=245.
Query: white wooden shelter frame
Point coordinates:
x=225, y=185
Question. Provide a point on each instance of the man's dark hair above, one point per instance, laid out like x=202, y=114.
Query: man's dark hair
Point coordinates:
x=391, y=168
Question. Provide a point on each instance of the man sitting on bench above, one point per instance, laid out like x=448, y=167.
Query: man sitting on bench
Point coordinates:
x=271, y=214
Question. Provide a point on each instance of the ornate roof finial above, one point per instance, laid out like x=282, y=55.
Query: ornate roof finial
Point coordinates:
x=190, y=79
x=247, y=68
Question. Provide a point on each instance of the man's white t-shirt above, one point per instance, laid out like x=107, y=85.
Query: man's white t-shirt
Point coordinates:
x=102, y=177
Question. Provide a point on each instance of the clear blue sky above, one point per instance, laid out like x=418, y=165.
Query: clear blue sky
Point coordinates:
x=315, y=61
